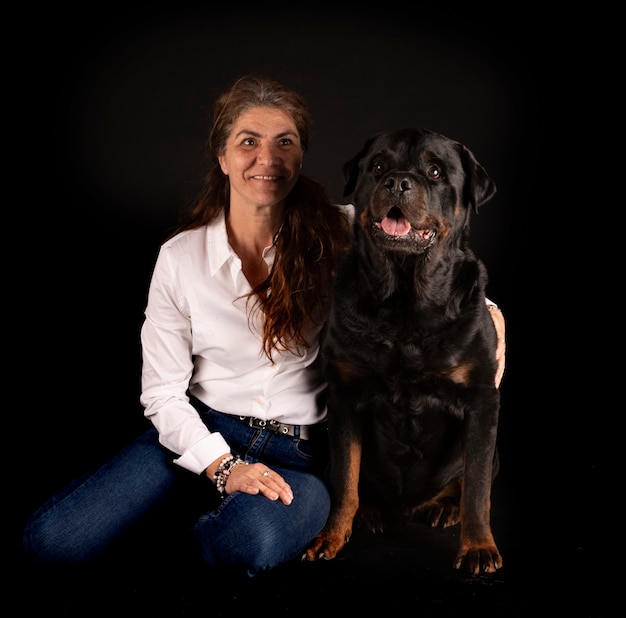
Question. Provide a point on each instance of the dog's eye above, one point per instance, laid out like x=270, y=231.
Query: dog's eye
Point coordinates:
x=378, y=167
x=434, y=171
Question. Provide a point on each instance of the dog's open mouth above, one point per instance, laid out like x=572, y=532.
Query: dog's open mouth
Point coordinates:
x=396, y=226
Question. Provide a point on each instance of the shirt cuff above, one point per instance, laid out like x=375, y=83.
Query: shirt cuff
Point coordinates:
x=203, y=453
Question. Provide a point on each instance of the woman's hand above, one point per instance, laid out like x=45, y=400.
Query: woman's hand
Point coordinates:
x=254, y=478
x=498, y=320
x=258, y=478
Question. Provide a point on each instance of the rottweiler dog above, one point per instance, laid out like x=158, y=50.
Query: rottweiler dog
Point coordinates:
x=409, y=351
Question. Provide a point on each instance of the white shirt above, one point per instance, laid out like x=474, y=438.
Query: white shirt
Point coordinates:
x=197, y=336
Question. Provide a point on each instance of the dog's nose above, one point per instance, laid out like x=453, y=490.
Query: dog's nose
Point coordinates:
x=399, y=183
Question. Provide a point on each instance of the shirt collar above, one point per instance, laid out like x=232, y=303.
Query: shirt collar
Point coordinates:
x=220, y=252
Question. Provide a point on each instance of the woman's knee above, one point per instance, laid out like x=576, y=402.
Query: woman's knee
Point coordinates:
x=252, y=533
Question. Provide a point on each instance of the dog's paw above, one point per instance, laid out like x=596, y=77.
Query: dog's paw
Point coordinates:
x=438, y=513
x=325, y=546
x=478, y=560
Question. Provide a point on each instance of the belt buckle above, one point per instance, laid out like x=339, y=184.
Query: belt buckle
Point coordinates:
x=275, y=426
x=257, y=423
x=272, y=425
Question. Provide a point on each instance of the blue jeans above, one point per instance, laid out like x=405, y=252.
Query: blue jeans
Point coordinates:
x=244, y=532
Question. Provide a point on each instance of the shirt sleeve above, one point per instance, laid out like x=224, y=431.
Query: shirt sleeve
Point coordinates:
x=167, y=367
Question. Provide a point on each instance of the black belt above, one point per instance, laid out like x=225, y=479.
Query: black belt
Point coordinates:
x=303, y=432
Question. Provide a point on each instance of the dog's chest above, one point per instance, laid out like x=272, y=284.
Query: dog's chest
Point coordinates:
x=397, y=337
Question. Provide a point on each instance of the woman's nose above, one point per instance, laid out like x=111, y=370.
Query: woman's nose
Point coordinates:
x=268, y=154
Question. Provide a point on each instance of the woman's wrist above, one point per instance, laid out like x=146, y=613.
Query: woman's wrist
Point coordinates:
x=225, y=468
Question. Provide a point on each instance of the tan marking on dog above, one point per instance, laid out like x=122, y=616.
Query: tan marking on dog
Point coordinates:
x=459, y=373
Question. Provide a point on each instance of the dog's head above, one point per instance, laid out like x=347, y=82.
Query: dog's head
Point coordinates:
x=413, y=188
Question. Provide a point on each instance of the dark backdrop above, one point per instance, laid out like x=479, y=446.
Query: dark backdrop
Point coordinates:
x=116, y=111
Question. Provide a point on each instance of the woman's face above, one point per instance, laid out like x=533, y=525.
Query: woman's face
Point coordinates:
x=262, y=156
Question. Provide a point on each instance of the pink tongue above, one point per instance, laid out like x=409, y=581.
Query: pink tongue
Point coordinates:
x=396, y=227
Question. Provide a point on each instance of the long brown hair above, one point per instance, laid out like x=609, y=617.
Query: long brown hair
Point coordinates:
x=313, y=235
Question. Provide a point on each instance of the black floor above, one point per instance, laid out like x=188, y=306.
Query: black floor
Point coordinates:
x=556, y=516
x=552, y=572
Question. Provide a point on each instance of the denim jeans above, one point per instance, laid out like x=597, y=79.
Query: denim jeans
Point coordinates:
x=244, y=532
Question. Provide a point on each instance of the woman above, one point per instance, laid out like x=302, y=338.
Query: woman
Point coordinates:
x=231, y=378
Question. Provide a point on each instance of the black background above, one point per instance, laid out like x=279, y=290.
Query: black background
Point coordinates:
x=123, y=104
x=114, y=116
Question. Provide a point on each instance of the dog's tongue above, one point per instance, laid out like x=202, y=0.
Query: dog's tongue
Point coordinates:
x=395, y=227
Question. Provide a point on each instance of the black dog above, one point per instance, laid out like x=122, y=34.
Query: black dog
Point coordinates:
x=409, y=350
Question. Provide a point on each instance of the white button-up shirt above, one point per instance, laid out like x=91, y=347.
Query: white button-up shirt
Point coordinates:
x=197, y=336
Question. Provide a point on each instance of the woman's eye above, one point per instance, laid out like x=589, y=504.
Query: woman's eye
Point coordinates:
x=285, y=142
x=249, y=141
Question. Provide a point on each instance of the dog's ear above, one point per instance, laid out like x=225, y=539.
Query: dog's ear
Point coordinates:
x=480, y=187
x=351, y=167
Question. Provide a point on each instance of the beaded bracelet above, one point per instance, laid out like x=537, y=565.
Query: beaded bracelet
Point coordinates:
x=227, y=465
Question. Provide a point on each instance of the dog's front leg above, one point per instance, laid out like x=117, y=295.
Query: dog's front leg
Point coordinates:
x=478, y=552
x=345, y=461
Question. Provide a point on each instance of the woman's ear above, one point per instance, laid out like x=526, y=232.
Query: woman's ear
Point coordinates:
x=223, y=165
